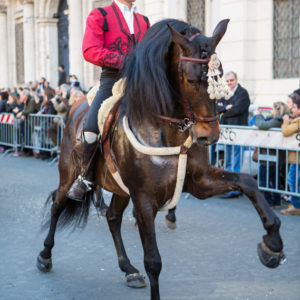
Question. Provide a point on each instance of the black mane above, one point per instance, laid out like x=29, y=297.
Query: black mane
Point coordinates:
x=148, y=92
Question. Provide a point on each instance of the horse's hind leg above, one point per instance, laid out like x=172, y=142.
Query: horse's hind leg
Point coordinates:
x=44, y=261
x=114, y=218
x=171, y=219
x=99, y=202
x=218, y=181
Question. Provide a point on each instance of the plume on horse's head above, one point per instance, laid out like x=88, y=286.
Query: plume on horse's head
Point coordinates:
x=148, y=91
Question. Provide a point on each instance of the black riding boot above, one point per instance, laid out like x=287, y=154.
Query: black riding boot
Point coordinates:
x=85, y=153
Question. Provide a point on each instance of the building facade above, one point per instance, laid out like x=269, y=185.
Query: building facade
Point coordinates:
x=261, y=44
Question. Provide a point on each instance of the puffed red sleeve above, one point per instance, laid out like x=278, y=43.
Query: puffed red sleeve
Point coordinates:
x=93, y=44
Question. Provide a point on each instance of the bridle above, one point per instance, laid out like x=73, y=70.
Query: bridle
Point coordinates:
x=190, y=119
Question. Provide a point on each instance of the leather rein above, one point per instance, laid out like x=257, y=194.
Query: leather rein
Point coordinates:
x=190, y=119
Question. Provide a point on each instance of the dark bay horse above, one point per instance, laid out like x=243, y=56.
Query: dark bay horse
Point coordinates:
x=166, y=90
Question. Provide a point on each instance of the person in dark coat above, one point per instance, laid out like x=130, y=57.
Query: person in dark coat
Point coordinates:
x=234, y=111
x=12, y=103
x=3, y=100
x=62, y=75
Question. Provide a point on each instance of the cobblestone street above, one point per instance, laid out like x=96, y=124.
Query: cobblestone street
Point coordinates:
x=210, y=256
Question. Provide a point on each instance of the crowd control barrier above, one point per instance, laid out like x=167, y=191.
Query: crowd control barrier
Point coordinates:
x=31, y=133
x=8, y=130
x=275, y=154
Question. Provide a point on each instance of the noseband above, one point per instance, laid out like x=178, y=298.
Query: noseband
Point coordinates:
x=191, y=119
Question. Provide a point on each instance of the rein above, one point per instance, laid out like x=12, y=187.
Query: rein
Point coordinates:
x=191, y=119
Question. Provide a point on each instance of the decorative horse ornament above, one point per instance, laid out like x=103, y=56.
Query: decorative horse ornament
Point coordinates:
x=166, y=102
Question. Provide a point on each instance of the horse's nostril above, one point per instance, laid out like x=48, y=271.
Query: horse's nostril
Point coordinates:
x=202, y=140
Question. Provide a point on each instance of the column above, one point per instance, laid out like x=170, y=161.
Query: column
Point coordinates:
x=75, y=39
x=3, y=47
x=48, y=50
x=29, y=41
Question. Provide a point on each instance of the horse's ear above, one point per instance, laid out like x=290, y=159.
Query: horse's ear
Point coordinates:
x=180, y=40
x=219, y=32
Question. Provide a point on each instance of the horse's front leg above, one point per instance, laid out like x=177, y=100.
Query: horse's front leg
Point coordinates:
x=114, y=218
x=218, y=181
x=146, y=213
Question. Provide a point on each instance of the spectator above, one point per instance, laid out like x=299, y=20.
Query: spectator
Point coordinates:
x=47, y=106
x=62, y=75
x=289, y=127
x=3, y=100
x=29, y=107
x=12, y=103
x=15, y=92
x=278, y=111
x=74, y=81
x=234, y=112
x=60, y=104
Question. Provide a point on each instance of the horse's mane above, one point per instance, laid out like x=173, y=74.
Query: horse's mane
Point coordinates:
x=148, y=92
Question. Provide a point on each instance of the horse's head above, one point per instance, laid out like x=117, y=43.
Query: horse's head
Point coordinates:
x=192, y=54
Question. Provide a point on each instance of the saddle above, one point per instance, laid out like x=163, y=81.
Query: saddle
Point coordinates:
x=107, y=116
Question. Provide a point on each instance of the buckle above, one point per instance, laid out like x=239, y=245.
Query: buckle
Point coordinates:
x=87, y=183
x=187, y=124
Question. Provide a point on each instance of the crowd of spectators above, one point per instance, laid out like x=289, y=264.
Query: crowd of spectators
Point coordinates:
x=286, y=116
x=40, y=98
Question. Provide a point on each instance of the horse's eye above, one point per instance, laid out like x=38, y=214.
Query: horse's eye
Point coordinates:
x=192, y=82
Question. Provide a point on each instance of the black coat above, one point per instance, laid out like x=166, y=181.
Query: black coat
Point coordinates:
x=238, y=114
x=3, y=105
x=62, y=77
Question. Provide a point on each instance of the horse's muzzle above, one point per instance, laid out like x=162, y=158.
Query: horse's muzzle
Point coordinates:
x=207, y=141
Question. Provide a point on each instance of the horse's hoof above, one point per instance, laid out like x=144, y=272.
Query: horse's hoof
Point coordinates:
x=269, y=258
x=44, y=264
x=135, y=280
x=170, y=225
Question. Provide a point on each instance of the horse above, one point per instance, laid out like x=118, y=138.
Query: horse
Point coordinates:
x=167, y=106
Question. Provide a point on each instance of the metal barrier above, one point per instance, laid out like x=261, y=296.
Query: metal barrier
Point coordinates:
x=8, y=131
x=274, y=151
x=32, y=133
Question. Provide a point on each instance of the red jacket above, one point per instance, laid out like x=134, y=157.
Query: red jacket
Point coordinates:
x=107, y=39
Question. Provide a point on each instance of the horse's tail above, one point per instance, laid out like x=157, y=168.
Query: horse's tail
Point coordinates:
x=73, y=212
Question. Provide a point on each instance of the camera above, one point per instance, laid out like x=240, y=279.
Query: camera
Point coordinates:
x=57, y=99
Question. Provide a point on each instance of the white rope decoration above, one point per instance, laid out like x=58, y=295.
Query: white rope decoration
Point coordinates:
x=159, y=151
x=182, y=161
x=217, y=87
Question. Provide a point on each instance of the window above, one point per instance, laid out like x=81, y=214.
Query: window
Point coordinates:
x=286, y=39
x=196, y=13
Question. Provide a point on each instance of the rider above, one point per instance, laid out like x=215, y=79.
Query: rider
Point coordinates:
x=111, y=33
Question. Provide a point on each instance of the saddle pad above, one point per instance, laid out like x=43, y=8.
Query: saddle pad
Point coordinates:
x=107, y=105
